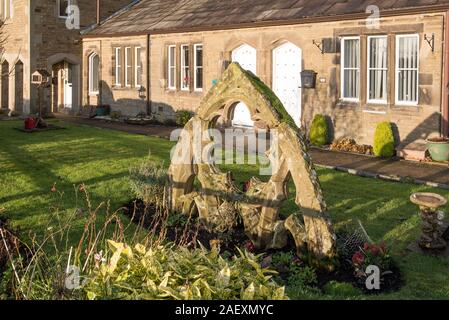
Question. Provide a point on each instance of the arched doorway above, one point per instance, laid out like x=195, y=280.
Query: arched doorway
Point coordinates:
x=18, y=86
x=246, y=56
x=287, y=67
x=5, y=84
x=66, y=83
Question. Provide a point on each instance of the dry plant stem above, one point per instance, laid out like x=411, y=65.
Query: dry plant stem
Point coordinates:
x=102, y=232
x=11, y=260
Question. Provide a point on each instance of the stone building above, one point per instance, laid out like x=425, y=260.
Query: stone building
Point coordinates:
x=45, y=34
x=374, y=60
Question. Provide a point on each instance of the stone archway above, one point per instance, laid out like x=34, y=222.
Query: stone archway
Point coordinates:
x=260, y=205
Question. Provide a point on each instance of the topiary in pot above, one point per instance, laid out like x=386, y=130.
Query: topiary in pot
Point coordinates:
x=319, y=131
x=384, y=141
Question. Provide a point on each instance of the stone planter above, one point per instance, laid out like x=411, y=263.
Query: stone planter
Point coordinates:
x=438, y=149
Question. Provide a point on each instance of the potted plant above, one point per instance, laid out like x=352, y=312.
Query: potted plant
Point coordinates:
x=438, y=148
x=102, y=110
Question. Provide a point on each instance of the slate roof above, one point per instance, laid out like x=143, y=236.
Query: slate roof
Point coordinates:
x=160, y=16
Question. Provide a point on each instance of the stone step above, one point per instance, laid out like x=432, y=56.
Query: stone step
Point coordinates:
x=415, y=151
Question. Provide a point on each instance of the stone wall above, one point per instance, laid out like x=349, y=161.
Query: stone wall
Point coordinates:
x=15, y=35
x=39, y=38
x=120, y=98
x=357, y=120
x=53, y=41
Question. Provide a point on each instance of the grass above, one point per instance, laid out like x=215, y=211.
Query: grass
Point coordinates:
x=31, y=163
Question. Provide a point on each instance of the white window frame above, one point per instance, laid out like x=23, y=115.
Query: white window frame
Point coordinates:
x=69, y=3
x=91, y=75
x=6, y=14
x=170, y=67
x=195, y=66
x=406, y=103
x=184, y=65
x=342, y=71
x=128, y=66
x=368, y=69
x=118, y=67
x=137, y=66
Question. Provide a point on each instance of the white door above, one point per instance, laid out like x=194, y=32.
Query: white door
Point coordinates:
x=68, y=85
x=246, y=56
x=287, y=67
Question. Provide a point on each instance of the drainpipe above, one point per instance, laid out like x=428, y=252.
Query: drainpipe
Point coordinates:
x=98, y=12
x=445, y=104
x=149, y=103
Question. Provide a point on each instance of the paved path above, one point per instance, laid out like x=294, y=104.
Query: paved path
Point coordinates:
x=356, y=164
x=423, y=172
x=148, y=130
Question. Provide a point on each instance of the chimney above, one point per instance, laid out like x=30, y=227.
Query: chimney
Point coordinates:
x=98, y=12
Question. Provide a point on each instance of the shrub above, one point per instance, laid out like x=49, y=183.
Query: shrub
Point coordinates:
x=384, y=140
x=182, y=117
x=168, y=273
x=116, y=115
x=148, y=182
x=319, y=131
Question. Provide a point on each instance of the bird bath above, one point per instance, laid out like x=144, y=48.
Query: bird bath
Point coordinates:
x=432, y=220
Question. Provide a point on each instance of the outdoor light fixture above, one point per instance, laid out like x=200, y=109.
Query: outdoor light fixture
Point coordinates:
x=142, y=92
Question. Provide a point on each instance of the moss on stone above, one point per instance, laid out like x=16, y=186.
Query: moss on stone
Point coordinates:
x=270, y=96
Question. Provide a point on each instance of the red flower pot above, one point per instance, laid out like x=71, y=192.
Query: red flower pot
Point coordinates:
x=30, y=123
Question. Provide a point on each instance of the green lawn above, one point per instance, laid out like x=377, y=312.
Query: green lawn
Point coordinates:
x=31, y=163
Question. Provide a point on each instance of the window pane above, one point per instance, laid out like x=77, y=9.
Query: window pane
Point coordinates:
x=185, y=68
x=199, y=56
x=95, y=67
x=352, y=58
x=351, y=86
x=408, y=54
x=138, y=67
x=378, y=68
x=129, y=67
x=172, y=56
x=118, y=66
x=63, y=5
x=351, y=68
x=172, y=67
x=199, y=67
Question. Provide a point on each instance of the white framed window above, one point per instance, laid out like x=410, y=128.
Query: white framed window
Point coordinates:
x=350, y=68
x=63, y=6
x=128, y=66
x=377, y=69
x=172, y=67
x=6, y=9
x=138, y=67
x=407, y=69
x=118, y=67
x=185, y=67
x=198, y=67
x=94, y=74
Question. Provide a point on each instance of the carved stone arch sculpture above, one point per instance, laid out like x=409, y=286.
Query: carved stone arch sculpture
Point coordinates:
x=259, y=207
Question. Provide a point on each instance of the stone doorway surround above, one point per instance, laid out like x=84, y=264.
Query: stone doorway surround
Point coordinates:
x=57, y=63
